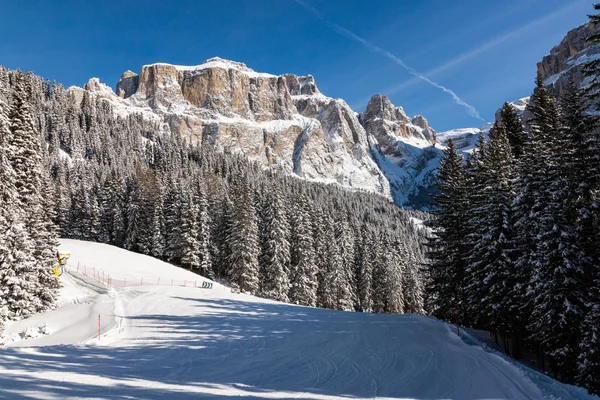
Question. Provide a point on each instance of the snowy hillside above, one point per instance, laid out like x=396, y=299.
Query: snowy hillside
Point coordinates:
x=164, y=337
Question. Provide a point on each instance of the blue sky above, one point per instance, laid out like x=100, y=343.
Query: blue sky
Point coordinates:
x=483, y=51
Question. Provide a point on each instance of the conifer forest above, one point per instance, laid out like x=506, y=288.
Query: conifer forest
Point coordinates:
x=510, y=245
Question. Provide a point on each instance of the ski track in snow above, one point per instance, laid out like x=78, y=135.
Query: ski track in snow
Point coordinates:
x=186, y=342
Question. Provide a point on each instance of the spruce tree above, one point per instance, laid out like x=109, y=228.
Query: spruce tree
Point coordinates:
x=189, y=246
x=447, y=255
x=511, y=122
x=243, y=241
x=303, y=270
x=363, y=268
x=275, y=257
x=557, y=272
x=204, y=235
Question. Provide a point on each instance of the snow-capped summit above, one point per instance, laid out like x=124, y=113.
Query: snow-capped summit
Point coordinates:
x=283, y=122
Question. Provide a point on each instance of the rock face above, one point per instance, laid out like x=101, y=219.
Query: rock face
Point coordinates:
x=406, y=148
x=566, y=59
x=128, y=84
x=283, y=122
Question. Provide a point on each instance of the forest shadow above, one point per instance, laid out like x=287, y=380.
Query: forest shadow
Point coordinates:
x=238, y=349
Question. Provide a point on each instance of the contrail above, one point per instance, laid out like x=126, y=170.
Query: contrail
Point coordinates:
x=486, y=46
x=349, y=34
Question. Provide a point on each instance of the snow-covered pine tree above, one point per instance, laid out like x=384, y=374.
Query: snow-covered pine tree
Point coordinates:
x=380, y=289
x=333, y=291
x=158, y=223
x=362, y=266
x=19, y=282
x=511, y=122
x=591, y=69
x=25, y=155
x=556, y=294
x=189, y=246
x=578, y=159
x=414, y=292
x=303, y=270
x=173, y=219
x=242, y=239
x=447, y=255
x=204, y=235
x=587, y=156
x=398, y=257
x=275, y=256
x=491, y=257
x=24, y=151
x=347, y=297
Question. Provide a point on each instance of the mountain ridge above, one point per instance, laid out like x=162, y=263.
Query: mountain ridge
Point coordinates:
x=285, y=122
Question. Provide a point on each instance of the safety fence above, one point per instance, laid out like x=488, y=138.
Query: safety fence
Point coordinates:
x=111, y=281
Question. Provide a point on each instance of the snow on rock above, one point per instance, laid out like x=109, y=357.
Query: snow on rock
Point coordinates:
x=405, y=151
x=187, y=342
x=228, y=105
x=217, y=62
x=566, y=59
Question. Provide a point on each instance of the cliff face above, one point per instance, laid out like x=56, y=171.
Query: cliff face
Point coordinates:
x=566, y=60
x=406, y=150
x=283, y=122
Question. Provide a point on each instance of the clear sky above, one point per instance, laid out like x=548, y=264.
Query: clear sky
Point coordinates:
x=483, y=51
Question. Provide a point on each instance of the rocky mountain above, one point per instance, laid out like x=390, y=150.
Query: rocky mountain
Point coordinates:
x=566, y=59
x=405, y=151
x=283, y=122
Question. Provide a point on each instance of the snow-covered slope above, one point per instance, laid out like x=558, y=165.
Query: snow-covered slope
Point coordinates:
x=163, y=341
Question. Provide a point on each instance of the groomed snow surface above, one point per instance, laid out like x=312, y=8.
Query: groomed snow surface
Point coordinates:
x=179, y=342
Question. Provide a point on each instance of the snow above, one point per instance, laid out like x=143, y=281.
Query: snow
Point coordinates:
x=65, y=156
x=465, y=139
x=579, y=59
x=186, y=342
x=217, y=62
x=521, y=104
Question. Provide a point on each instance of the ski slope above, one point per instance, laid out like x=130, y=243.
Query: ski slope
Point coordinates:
x=180, y=342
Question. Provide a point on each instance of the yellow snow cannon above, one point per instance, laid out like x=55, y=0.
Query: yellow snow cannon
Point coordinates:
x=63, y=257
